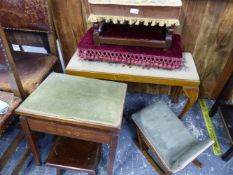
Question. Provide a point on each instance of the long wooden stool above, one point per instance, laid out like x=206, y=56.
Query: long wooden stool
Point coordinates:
x=75, y=107
x=187, y=77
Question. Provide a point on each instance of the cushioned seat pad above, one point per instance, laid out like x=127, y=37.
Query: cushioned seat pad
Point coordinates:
x=77, y=99
x=168, y=136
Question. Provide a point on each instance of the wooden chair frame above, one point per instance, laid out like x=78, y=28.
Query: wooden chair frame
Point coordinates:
x=16, y=83
x=48, y=41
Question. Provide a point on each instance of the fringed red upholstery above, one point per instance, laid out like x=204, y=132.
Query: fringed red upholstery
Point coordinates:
x=141, y=56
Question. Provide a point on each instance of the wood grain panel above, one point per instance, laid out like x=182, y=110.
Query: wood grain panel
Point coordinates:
x=206, y=29
x=214, y=43
x=224, y=77
x=192, y=21
x=69, y=24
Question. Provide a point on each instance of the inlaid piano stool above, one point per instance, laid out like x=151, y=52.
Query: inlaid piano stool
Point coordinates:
x=75, y=107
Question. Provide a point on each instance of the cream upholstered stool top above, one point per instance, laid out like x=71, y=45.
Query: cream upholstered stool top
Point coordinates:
x=188, y=72
x=187, y=77
x=168, y=137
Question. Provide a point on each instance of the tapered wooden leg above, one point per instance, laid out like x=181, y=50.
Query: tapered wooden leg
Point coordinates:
x=112, y=153
x=58, y=171
x=192, y=94
x=142, y=144
x=175, y=92
x=152, y=162
x=197, y=163
x=30, y=139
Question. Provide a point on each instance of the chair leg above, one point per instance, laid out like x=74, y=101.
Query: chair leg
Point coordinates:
x=228, y=155
x=197, y=163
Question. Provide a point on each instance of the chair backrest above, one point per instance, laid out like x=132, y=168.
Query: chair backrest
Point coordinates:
x=25, y=15
x=7, y=63
x=28, y=22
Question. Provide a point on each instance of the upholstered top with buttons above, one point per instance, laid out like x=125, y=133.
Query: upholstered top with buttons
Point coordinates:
x=77, y=99
x=139, y=2
x=169, y=136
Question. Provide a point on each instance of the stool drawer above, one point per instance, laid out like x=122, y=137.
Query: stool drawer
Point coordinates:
x=78, y=132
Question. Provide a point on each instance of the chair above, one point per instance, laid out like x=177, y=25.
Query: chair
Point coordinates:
x=7, y=64
x=160, y=130
x=35, y=29
x=13, y=99
x=22, y=71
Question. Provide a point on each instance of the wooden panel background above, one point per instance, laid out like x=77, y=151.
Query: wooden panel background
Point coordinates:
x=206, y=29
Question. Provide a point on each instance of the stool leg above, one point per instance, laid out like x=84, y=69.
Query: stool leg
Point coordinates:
x=192, y=94
x=154, y=165
x=32, y=142
x=59, y=171
x=112, y=153
x=142, y=144
x=197, y=163
x=175, y=92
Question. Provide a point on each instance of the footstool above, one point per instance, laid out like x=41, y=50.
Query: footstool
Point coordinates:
x=75, y=107
x=160, y=130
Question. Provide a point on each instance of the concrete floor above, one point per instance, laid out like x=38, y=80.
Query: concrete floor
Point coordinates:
x=129, y=159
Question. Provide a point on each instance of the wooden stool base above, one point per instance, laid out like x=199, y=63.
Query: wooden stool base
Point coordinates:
x=159, y=168
x=73, y=154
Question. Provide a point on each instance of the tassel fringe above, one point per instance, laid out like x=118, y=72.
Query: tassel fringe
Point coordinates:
x=134, y=20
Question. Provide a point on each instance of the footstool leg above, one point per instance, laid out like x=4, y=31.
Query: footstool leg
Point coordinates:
x=59, y=171
x=154, y=165
x=197, y=163
x=112, y=153
x=192, y=94
x=142, y=144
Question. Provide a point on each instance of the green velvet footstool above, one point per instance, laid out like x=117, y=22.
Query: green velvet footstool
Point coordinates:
x=160, y=130
x=76, y=107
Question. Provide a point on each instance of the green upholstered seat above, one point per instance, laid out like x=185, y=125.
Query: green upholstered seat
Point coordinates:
x=168, y=136
x=78, y=99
